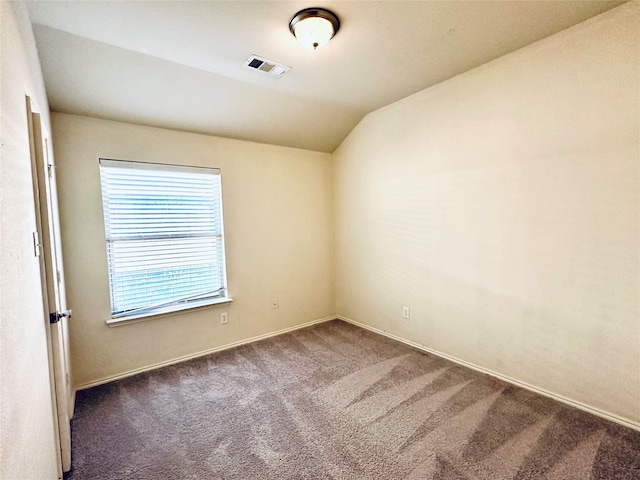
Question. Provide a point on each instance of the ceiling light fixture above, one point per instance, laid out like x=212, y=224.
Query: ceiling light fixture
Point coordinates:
x=314, y=27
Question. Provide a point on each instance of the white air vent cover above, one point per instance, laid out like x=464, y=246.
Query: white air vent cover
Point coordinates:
x=266, y=66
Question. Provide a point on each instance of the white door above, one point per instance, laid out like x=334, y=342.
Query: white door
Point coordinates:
x=58, y=314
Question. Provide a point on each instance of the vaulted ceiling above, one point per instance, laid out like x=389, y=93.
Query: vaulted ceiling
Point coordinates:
x=179, y=64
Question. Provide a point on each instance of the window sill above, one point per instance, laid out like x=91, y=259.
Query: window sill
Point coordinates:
x=167, y=311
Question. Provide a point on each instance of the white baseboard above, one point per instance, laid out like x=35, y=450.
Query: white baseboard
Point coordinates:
x=567, y=401
x=202, y=353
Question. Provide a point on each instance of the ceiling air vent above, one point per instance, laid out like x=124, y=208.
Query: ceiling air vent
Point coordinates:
x=266, y=66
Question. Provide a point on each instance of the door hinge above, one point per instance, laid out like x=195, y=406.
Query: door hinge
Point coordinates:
x=59, y=276
x=36, y=244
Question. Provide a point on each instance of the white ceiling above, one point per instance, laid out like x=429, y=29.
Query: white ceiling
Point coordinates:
x=179, y=64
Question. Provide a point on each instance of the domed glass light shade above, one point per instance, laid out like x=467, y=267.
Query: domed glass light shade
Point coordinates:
x=314, y=27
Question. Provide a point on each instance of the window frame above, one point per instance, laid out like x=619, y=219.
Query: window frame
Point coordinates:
x=178, y=306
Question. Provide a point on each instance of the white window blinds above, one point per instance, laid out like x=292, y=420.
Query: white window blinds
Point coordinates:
x=164, y=234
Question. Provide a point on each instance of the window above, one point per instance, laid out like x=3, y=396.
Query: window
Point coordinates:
x=164, y=233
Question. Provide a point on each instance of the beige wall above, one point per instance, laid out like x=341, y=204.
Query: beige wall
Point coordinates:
x=502, y=206
x=27, y=446
x=278, y=226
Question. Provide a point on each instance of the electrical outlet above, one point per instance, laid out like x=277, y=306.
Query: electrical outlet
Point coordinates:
x=224, y=319
x=406, y=312
x=274, y=303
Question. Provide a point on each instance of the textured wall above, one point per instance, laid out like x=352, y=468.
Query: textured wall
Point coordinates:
x=278, y=227
x=26, y=416
x=502, y=206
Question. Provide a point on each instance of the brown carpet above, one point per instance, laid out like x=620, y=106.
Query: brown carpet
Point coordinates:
x=337, y=402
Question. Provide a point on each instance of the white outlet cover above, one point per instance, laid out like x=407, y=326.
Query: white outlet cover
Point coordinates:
x=406, y=312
